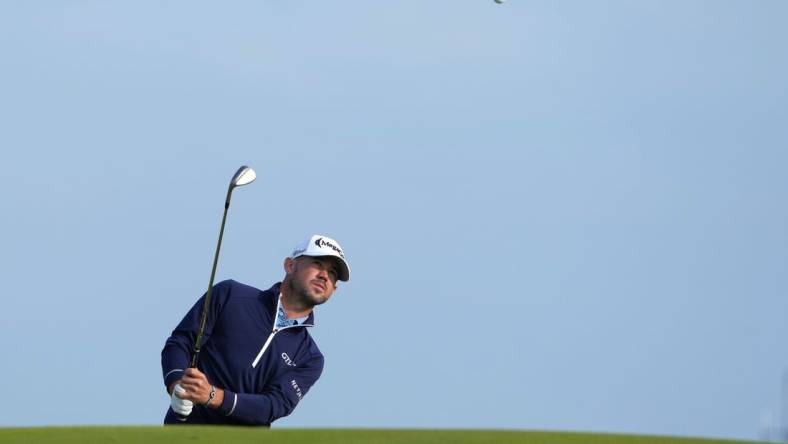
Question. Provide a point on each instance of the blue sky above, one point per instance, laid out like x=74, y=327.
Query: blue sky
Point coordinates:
x=559, y=215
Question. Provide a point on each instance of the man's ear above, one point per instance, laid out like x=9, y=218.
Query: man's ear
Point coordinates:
x=289, y=265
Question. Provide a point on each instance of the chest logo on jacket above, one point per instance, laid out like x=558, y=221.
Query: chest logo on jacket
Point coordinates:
x=287, y=360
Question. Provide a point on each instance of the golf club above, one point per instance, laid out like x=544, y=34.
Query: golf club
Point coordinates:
x=245, y=175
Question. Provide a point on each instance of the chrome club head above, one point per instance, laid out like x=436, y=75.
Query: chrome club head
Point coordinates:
x=244, y=175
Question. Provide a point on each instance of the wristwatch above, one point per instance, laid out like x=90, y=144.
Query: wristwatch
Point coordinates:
x=211, y=396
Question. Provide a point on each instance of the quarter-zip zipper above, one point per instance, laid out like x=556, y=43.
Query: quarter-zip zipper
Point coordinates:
x=262, y=350
x=273, y=333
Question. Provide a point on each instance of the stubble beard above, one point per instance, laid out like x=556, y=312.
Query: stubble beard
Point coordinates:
x=303, y=295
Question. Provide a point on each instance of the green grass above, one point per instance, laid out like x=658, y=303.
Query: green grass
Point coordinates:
x=231, y=435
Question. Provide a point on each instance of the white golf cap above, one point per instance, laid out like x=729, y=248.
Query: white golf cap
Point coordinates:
x=319, y=245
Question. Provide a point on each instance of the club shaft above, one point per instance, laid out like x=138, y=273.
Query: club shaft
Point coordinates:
x=207, y=302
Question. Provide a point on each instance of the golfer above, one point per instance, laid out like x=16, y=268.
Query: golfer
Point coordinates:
x=257, y=360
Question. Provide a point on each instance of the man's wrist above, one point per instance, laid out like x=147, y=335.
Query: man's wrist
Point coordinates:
x=211, y=396
x=217, y=400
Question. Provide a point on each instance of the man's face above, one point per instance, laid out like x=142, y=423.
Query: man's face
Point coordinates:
x=314, y=279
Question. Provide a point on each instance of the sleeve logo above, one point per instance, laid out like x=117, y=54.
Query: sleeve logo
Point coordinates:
x=296, y=388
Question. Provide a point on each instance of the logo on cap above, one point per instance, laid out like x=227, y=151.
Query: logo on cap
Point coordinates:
x=324, y=243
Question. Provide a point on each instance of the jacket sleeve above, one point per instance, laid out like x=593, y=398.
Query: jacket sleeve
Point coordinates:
x=278, y=400
x=177, y=352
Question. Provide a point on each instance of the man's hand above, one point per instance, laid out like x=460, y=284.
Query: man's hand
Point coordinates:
x=198, y=389
x=181, y=406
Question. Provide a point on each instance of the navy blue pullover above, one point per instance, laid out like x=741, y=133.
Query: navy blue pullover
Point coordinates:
x=264, y=371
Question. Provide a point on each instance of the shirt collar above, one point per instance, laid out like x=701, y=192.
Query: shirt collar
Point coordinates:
x=281, y=316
